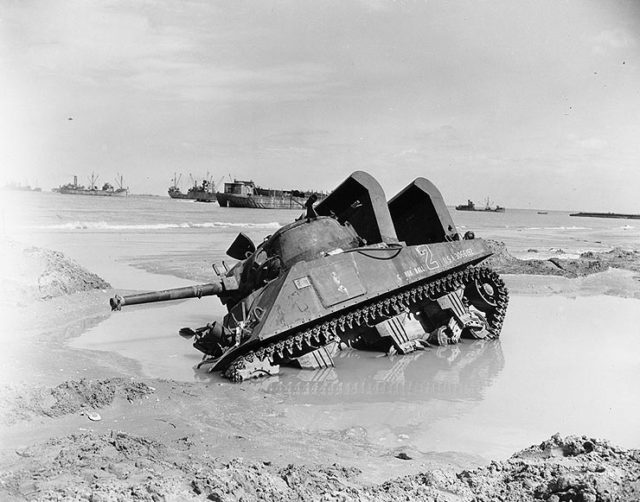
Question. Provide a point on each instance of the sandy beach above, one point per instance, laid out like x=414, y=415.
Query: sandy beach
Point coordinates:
x=101, y=417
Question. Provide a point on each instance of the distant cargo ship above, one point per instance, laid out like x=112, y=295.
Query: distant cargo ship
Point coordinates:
x=107, y=189
x=200, y=192
x=246, y=194
x=470, y=206
x=608, y=215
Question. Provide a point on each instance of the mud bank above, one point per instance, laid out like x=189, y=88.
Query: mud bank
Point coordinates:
x=193, y=266
x=23, y=403
x=587, y=263
x=119, y=465
x=32, y=273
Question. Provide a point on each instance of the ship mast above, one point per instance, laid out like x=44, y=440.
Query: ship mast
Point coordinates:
x=92, y=181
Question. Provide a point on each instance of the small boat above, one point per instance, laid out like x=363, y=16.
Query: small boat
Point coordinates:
x=247, y=194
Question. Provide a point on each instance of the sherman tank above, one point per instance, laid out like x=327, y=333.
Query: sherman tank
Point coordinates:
x=355, y=270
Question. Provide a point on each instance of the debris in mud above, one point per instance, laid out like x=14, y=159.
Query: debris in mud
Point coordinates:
x=67, y=398
x=586, y=264
x=40, y=274
x=123, y=466
x=93, y=416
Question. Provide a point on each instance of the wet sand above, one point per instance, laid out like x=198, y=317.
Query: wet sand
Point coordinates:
x=167, y=432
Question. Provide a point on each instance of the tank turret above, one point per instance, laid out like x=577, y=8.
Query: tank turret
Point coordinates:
x=354, y=270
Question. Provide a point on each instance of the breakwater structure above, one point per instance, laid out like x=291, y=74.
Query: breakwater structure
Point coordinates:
x=607, y=215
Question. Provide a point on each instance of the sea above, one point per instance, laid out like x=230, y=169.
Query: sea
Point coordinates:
x=564, y=363
x=54, y=214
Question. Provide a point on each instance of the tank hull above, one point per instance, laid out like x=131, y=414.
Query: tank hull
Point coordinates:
x=320, y=290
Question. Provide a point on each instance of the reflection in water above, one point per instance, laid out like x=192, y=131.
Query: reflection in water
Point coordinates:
x=146, y=337
x=77, y=327
x=455, y=372
x=31, y=362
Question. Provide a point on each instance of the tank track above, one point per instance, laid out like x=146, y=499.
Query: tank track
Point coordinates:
x=323, y=333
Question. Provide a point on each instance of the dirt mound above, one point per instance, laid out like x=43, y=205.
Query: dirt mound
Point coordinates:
x=120, y=466
x=31, y=273
x=575, y=468
x=616, y=258
x=586, y=264
x=68, y=397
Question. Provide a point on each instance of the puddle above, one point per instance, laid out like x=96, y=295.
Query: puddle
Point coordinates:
x=456, y=372
x=148, y=334
x=562, y=365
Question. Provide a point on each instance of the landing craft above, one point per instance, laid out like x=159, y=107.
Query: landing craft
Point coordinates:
x=356, y=270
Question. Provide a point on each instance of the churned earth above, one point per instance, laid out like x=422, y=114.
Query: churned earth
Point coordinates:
x=115, y=436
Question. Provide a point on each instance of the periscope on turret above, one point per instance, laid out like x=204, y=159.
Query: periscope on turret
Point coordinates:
x=354, y=270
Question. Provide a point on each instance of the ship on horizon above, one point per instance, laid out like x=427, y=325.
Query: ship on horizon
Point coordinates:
x=470, y=206
x=239, y=193
x=107, y=190
x=200, y=192
x=19, y=187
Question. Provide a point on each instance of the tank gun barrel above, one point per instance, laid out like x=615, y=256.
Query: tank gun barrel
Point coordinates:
x=210, y=289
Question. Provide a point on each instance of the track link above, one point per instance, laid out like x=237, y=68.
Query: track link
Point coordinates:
x=320, y=334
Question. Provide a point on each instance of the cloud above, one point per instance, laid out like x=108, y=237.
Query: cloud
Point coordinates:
x=129, y=47
x=591, y=143
x=87, y=40
x=610, y=40
x=379, y=5
x=200, y=81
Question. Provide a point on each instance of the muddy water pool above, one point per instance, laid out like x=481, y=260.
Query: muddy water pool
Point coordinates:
x=567, y=365
x=562, y=365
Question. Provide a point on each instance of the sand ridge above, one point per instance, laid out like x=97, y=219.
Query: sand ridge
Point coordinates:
x=118, y=465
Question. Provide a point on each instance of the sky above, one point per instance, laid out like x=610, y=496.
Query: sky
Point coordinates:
x=535, y=104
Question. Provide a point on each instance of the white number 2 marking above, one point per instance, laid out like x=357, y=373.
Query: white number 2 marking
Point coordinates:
x=429, y=261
